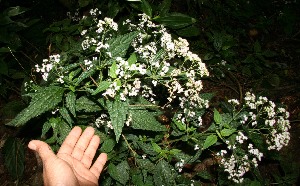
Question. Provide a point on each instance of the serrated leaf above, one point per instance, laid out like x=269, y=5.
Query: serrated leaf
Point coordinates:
x=209, y=141
x=71, y=102
x=119, y=172
x=86, y=105
x=42, y=101
x=217, y=117
x=156, y=147
x=146, y=120
x=176, y=20
x=84, y=75
x=118, y=46
x=117, y=110
x=163, y=174
x=113, y=70
x=14, y=157
x=145, y=164
x=101, y=87
x=227, y=132
x=65, y=114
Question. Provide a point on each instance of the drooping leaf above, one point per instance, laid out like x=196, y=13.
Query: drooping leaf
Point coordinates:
x=63, y=131
x=86, y=105
x=209, y=141
x=42, y=101
x=163, y=174
x=119, y=172
x=119, y=45
x=14, y=157
x=117, y=110
x=176, y=20
x=71, y=102
x=146, y=120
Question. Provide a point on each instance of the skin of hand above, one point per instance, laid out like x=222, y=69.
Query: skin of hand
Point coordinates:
x=72, y=165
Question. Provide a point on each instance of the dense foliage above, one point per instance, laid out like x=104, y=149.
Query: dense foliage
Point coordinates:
x=126, y=69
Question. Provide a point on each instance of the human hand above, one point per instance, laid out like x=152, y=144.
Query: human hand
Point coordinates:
x=72, y=165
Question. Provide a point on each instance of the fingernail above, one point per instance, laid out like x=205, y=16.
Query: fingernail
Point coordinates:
x=32, y=146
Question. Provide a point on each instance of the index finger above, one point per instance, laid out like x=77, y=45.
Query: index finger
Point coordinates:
x=70, y=141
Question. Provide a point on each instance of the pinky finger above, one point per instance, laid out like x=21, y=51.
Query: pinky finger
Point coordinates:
x=97, y=167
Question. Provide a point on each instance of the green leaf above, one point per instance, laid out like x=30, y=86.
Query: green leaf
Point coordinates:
x=63, y=131
x=14, y=11
x=43, y=100
x=65, y=114
x=117, y=110
x=119, y=172
x=101, y=87
x=85, y=75
x=108, y=145
x=132, y=59
x=217, y=117
x=274, y=80
x=156, y=147
x=118, y=46
x=164, y=8
x=227, y=132
x=176, y=20
x=146, y=120
x=113, y=70
x=163, y=174
x=146, y=8
x=189, y=31
x=209, y=141
x=84, y=3
x=86, y=105
x=3, y=68
x=257, y=47
x=71, y=102
x=14, y=157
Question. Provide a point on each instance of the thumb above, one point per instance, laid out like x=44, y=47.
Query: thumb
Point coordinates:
x=43, y=149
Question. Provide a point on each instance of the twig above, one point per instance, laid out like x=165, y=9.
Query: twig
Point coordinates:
x=90, y=76
x=134, y=153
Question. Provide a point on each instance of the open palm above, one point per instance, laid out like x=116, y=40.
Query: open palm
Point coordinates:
x=72, y=165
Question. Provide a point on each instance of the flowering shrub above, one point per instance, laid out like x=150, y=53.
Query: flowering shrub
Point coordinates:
x=121, y=79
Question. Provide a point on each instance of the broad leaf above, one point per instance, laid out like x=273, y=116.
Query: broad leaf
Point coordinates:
x=117, y=110
x=119, y=172
x=209, y=141
x=108, y=145
x=42, y=101
x=163, y=174
x=146, y=8
x=118, y=46
x=146, y=120
x=14, y=157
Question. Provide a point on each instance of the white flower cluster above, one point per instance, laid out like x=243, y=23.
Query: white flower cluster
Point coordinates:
x=235, y=163
x=48, y=65
x=275, y=119
x=103, y=120
x=179, y=165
